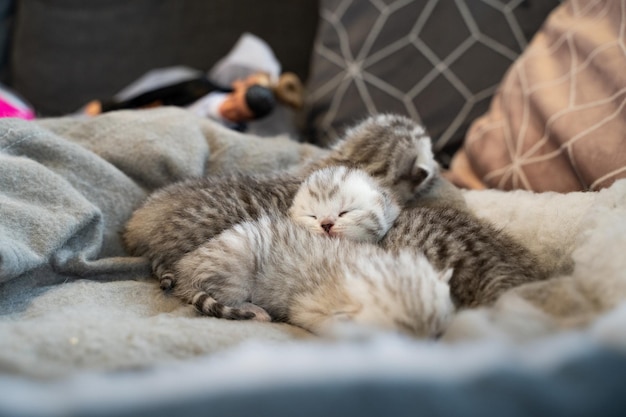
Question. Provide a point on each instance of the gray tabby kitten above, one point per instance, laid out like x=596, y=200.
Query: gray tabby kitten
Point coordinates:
x=309, y=269
x=177, y=219
x=485, y=261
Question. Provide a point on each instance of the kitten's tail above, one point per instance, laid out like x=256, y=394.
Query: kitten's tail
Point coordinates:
x=209, y=306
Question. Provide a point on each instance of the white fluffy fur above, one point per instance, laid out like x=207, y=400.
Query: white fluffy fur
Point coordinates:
x=357, y=197
x=584, y=230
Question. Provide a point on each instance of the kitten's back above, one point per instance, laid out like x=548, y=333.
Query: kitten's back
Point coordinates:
x=485, y=261
x=178, y=218
x=393, y=149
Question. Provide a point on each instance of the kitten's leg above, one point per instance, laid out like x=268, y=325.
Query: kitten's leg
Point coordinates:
x=218, y=277
x=209, y=306
x=166, y=277
x=167, y=281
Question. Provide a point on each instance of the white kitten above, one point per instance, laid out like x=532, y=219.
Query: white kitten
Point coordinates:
x=343, y=202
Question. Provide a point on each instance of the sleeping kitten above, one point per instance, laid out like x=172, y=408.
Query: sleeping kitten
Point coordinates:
x=178, y=218
x=343, y=202
x=391, y=148
x=395, y=151
x=485, y=261
x=274, y=269
x=290, y=269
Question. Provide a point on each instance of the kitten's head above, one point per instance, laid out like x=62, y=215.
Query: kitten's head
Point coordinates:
x=342, y=202
x=392, y=148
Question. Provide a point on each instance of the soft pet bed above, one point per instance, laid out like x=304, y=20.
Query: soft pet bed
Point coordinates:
x=84, y=330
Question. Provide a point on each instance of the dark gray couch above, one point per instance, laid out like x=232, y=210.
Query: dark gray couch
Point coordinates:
x=436, y=61
x=62, y=54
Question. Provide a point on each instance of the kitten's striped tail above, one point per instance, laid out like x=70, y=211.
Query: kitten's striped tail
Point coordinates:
x=209, y=306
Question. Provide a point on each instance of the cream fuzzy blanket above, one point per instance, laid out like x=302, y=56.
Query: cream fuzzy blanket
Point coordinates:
x=72, y=304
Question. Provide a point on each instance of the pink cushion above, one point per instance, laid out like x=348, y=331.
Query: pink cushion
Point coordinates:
x=558, y=121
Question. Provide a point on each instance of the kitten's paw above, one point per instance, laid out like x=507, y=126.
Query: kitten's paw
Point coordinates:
x=167, y=280
x=246, y=311
x=209, y=306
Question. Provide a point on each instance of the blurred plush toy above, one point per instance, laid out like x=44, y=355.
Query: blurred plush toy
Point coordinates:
x=245, y=85
x=251, y=98
x=246, y=99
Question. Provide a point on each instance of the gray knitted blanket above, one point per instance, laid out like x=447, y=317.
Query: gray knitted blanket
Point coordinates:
x=68, y=185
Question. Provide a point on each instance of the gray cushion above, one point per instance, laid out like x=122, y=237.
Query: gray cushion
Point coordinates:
x=435, y=61
x=68, y=52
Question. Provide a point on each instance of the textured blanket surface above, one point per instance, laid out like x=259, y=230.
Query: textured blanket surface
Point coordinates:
x=74, y=307
x=68, y=185
x=558, y=117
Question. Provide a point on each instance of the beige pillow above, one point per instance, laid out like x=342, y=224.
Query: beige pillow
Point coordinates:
x=558, y=120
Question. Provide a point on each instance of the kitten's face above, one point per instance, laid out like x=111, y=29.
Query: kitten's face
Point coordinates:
x=342, y=202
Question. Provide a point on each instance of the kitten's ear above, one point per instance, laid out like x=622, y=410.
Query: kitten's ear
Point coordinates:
x=445, y=276
x=415, y=166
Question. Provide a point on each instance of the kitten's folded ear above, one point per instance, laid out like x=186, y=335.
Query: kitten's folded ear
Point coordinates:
x=414, y=170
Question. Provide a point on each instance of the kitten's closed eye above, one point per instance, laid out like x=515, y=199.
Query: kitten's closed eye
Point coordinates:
x=343, y=213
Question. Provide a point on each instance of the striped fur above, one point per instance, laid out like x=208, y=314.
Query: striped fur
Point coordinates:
x=485, y=261
x=348, y=287
x=177, y=219
x=391, y=148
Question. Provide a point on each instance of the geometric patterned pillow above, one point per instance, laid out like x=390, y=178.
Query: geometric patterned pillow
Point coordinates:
x=438, y=62
x=558, y=122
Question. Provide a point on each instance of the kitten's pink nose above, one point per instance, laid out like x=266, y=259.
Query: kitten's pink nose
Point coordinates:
x=327, y=225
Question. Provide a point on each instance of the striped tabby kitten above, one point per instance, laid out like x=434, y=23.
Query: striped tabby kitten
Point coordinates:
x=391, y=148
x=485, y=261
x=177, y=219
x=275, y=269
